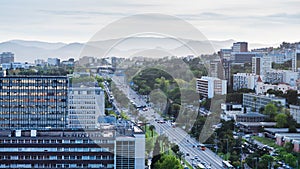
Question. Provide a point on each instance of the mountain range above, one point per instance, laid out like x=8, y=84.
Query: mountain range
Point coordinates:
x=28, y=51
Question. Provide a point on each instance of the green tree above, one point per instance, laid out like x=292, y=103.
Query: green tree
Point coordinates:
x=168, y=162
x=234, y=98
x=275, y=92
x=271, y=110
x=290, y=159
x=156, y=153
x=291, y=123
x=175, y=148
x=281, y=120
x=289, y=147
x=266, y=161
x=292, y=97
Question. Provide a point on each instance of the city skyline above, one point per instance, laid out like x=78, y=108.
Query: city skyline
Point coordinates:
x=78, y=21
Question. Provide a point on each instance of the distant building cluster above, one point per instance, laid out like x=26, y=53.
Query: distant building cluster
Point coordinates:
x=261, y=61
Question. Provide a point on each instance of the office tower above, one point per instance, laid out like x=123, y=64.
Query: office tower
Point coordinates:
x=33, y=102
x=261, y=65
x=297, y=60
x=216, y=69
x=86, y=104
x=240, y=47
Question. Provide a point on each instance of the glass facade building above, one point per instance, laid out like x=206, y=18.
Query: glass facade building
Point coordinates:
x=33, y=102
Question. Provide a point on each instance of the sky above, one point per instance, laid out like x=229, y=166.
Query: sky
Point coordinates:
x=256, y=21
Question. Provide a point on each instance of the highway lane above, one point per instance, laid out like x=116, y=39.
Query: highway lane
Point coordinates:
x=176, y=135
x=180, y=137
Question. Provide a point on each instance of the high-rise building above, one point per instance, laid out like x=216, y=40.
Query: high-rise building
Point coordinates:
x=261, y=65
x=33, y=102
x=86, y=104
x=216, y=69
x=240, y=47
x=7, y=57
x=227, y=70
x=225, y=54
x=210, y=86
x=297, y=60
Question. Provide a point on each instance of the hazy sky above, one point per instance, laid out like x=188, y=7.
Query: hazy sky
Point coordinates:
x=268, y=21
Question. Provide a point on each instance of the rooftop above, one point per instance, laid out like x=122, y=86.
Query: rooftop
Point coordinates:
x=263, y=96
x=279, y=130
x=294, y=137
x=253, y=124
x=252, y=114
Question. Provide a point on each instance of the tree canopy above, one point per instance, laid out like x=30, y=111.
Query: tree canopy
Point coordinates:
x=168, y=162
x=281, y=120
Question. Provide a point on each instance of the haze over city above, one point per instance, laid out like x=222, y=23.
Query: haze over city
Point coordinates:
x=267, y=22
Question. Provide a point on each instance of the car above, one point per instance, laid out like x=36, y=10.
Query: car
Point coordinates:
x=196, y=157
x=187, y=154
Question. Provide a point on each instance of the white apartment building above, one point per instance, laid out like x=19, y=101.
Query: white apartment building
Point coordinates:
x=255, y=102
x=295, y=112
x=244, y=80
x=210, y=86
x=261, y=65
x=86, y=104
x=281, y=76
x=281, y=56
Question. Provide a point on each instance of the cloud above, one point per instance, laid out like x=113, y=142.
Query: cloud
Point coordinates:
x=284, y=17
x=80, y=13
x=204, y=16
